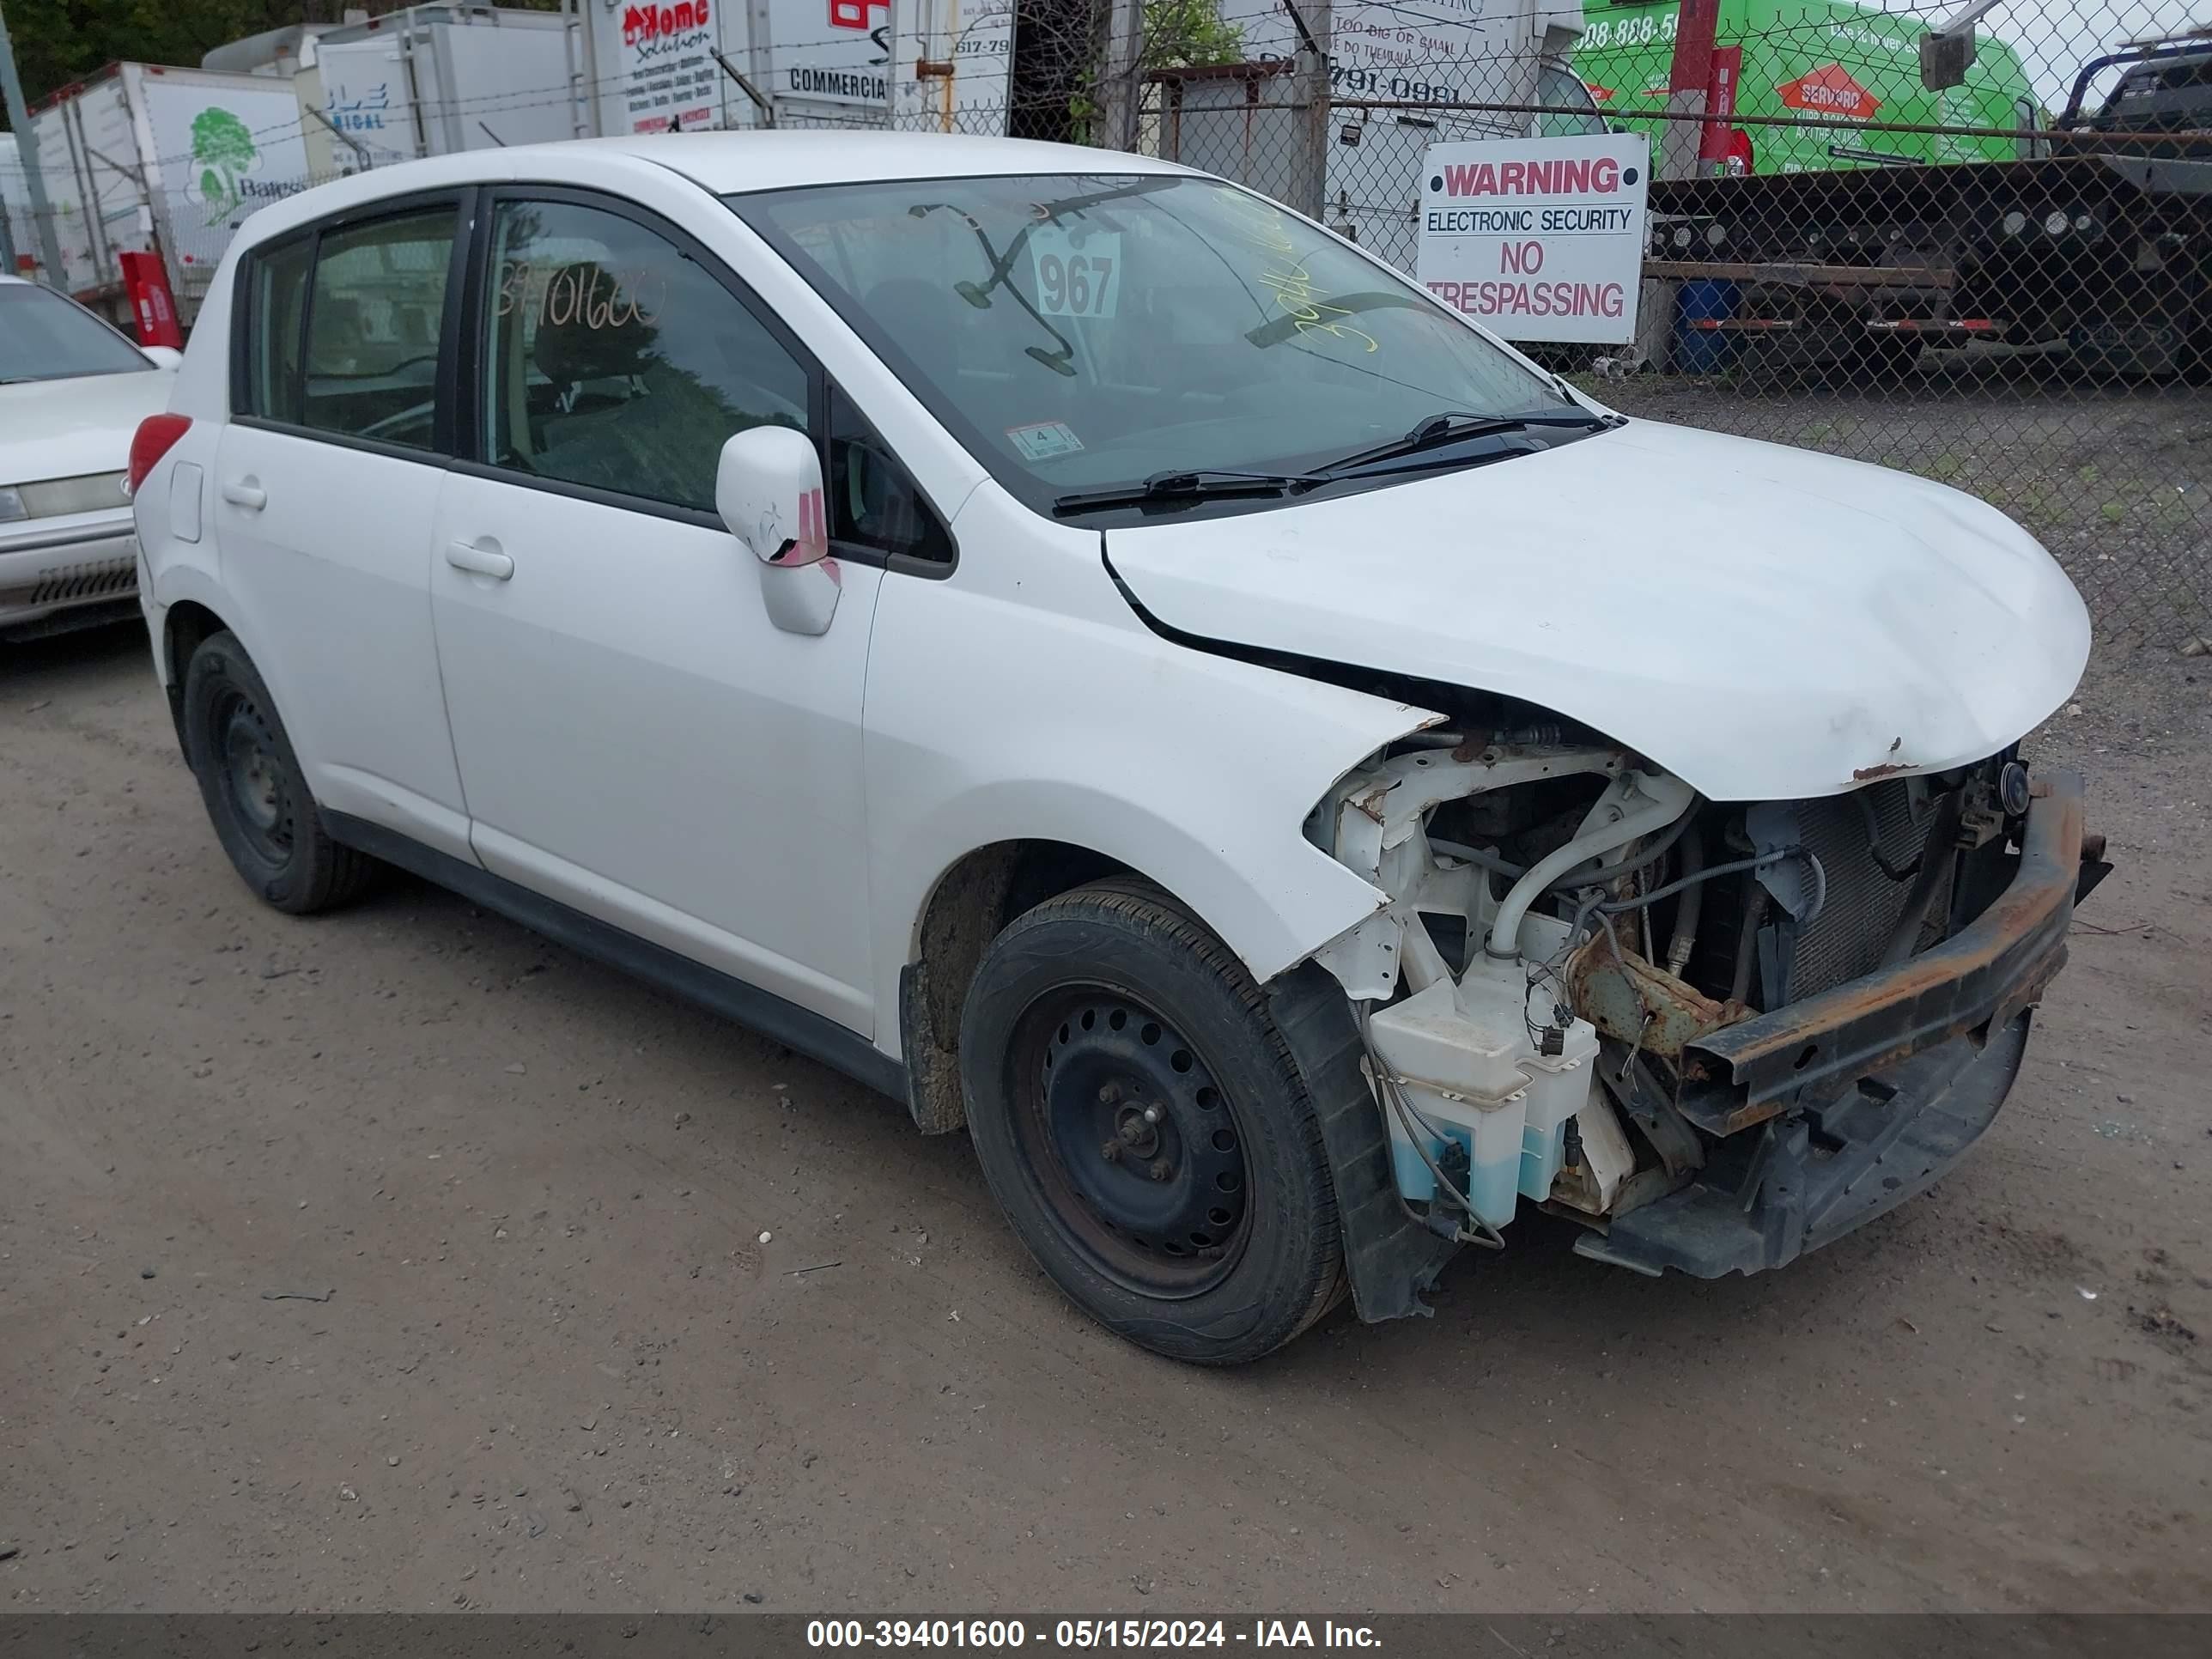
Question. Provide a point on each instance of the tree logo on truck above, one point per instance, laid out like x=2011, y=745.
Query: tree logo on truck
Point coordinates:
x=223, y=154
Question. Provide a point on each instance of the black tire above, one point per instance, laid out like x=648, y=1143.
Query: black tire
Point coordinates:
x=256, y=797
x=1087, y=1009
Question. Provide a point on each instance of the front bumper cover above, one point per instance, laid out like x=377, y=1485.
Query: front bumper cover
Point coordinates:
x=1872, y=1090
x=55, y=567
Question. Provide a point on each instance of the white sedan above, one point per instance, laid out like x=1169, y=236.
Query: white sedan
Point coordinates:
x=72, y=392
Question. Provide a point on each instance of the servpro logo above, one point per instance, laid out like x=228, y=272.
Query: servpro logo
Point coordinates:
x=1585, y=176
x=1830, y=90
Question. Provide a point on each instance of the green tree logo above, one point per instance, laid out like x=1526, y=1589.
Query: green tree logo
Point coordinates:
x=223, y=151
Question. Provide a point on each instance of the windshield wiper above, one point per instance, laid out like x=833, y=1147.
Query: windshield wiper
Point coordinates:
x=1188, y=484
x=1453, y=425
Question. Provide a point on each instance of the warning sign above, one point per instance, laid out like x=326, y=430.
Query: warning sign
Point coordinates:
x=1537, y=239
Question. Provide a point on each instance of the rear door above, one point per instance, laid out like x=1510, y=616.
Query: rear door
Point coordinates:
x=327, y=486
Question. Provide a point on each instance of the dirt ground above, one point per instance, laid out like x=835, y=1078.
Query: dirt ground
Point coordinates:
x=618, y=1307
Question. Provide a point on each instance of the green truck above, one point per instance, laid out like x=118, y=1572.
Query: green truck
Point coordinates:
x=1818, y=60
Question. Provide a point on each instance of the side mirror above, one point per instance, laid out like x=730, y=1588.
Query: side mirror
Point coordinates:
x=164, y=356
x=768, y=488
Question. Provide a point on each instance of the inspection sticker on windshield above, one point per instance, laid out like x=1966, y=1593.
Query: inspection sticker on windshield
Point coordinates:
x=1043, y=440
x=1077, y=272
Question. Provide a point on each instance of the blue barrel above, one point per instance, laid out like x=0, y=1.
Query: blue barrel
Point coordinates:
x=1703, y=351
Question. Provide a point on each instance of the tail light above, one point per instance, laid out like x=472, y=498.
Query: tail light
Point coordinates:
x=156, y=436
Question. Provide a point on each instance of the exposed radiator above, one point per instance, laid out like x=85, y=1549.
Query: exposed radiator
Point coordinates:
x=1864, y=905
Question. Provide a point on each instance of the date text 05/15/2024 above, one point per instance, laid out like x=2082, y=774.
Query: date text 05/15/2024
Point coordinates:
x=990, y=1635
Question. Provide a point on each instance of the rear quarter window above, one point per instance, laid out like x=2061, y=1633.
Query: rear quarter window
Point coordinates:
x=276, y=303
x=341, y=328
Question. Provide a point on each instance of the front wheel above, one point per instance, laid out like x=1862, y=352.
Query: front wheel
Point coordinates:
x=1143, y=1126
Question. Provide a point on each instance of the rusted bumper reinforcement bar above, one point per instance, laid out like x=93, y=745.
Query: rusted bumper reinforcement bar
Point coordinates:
x=1894, y=1076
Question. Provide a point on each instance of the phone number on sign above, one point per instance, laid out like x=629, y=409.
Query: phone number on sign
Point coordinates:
x=1014, y=1633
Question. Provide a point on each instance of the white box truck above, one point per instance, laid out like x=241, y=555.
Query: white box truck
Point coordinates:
x=814, y=63
x=433, y=80
x=142, y=158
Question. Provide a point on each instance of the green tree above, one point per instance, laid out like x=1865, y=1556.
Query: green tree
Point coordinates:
x=1190, y=34
x=223, y=149
x=1178, y=34
x=58, y=41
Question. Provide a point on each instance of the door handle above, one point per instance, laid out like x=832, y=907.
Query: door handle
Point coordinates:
x=479, y=560
x=246, y=494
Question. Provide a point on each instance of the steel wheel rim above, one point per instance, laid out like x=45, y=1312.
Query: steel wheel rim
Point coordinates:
x=1137, y=1149
x=253, y=779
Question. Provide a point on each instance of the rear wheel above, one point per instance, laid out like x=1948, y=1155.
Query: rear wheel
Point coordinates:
x=256, y=797
x=1146, y=1130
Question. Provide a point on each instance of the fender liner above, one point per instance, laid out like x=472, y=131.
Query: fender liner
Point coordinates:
x=1391, y=1259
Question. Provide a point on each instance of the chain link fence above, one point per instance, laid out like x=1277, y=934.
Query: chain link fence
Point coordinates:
x=1990, y=268
x=2003, y=283
x=1993, y=271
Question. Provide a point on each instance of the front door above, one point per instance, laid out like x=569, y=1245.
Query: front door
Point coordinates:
x=635, y=738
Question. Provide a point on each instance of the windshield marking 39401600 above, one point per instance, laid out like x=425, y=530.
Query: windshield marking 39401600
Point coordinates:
x=1090, y=336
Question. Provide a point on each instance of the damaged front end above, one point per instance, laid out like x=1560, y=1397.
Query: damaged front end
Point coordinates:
x=1717, y=1034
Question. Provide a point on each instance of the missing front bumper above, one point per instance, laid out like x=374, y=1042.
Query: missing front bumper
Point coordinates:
x=1798, y=1182
x=1847, y=1103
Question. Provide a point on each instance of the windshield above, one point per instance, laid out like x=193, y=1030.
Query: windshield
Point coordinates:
x=1569, y=109
x=1086, y=332
x=44, y=336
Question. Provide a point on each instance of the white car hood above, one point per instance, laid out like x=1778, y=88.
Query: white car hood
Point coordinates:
x=66, y=429
x=1765, y=623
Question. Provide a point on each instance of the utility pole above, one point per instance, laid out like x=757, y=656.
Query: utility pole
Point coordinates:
x=1120, y=94
x=1317, y=36
x=34, y=182
x=1688, y=78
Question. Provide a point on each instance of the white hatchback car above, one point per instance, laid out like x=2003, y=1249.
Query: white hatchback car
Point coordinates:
x=1093, y=654
x=72, y=393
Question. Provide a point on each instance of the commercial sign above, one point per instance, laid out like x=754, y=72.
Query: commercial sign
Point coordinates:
x=1537, y=239
x=831, y=51
x=656, y=63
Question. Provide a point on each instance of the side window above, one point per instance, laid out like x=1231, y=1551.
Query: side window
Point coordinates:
x=373, y=314
x=276, y=297
x=873, y=503
x=615, y=360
